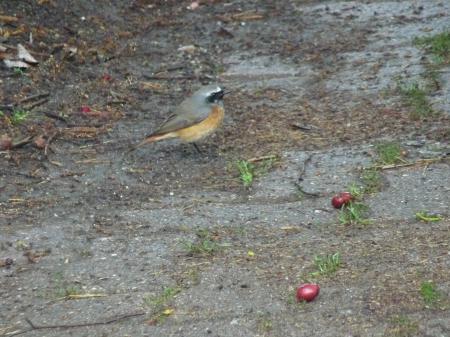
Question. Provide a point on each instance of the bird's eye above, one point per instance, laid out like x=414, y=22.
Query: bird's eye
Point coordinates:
x=215, y=96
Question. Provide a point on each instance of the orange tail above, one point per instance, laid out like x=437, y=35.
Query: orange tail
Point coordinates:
x=151, y=139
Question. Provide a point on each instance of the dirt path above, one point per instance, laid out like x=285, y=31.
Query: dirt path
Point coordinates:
x=334, y=94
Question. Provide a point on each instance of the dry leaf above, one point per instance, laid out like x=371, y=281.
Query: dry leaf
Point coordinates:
x=243, y=16
x=188, y=49
x=151, y=86
x=24, y=55
x=193, y=5
x=16, y=64
x=168, y=311
x=8, y=19
x=5, y=143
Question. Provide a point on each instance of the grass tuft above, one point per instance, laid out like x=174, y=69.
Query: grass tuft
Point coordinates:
x=402, y=326
x=246, y=172
x=18, y=116
x=426, y=217
x=438, y=45
x=354, y=213
x=265, y=324
x=205, y=245
x=389, y=153
x=255, y=167
x=18, y=71
x=429, y=293
x=327, y=264
x=372, y=180
x=159, y=303
x=68, y=290
x=416, y=97
x=167, y=294
x=356, y=190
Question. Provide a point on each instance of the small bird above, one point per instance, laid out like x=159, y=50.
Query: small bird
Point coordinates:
x=195, y=118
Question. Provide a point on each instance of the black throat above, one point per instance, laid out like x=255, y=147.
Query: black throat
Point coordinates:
x=216, y=96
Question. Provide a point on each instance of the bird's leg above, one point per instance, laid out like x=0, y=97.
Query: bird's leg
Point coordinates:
x=197, y=148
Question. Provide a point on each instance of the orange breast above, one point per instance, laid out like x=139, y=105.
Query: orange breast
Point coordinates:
x=204, y=128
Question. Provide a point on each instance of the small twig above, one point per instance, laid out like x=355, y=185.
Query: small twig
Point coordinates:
x=70, y=30
x=34, y=97
x=170, y=68
x=183, y=77
x=42, y=100
x=37, y=103
x=303, y=127
x=55, y=116
x=92, y=161
x=26, y=175
x=31, y=52
x=257, y=159
x=9, y=107
x=82, y=296
x=244, y=16
x=300, y=178
x=300, y=127
x=225, y=32
x=22, y=143
x=49, y=140
x=56, y=163
x=75, y=325
x=301, y=190
x=302, y=172
x=418, y=162
x=118, y=101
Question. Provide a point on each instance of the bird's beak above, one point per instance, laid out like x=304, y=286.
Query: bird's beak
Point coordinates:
x=226, y=92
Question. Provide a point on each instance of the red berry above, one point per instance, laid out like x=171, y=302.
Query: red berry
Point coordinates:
x=40, y=142
x=337, y=201
x=106, y=77
x=85, y=109
x=346, y=196
x=341, y=199
x=307, y=292
x=5, y=143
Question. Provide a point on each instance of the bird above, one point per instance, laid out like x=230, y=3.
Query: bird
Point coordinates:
x=195, y=118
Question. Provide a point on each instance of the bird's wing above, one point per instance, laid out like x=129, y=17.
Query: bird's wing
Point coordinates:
x=184, y=117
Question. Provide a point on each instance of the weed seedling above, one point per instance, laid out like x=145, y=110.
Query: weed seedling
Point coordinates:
x=72, y=290
x=18, y=71
x=18, y=116
x=256, y=167
x=402, y=326
x=265, y=325
x=355, y=190
x=438, y=45
x=389, y=153
x=425, y=217
x=204, y=247
x=168, y=294
x=416, y=98
x=205, y=244
x=160, y=316
x=354, y=213
x=246, y=172
x=371, y=178
x=265, y=166
x=429, y=293
x=327, y=264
